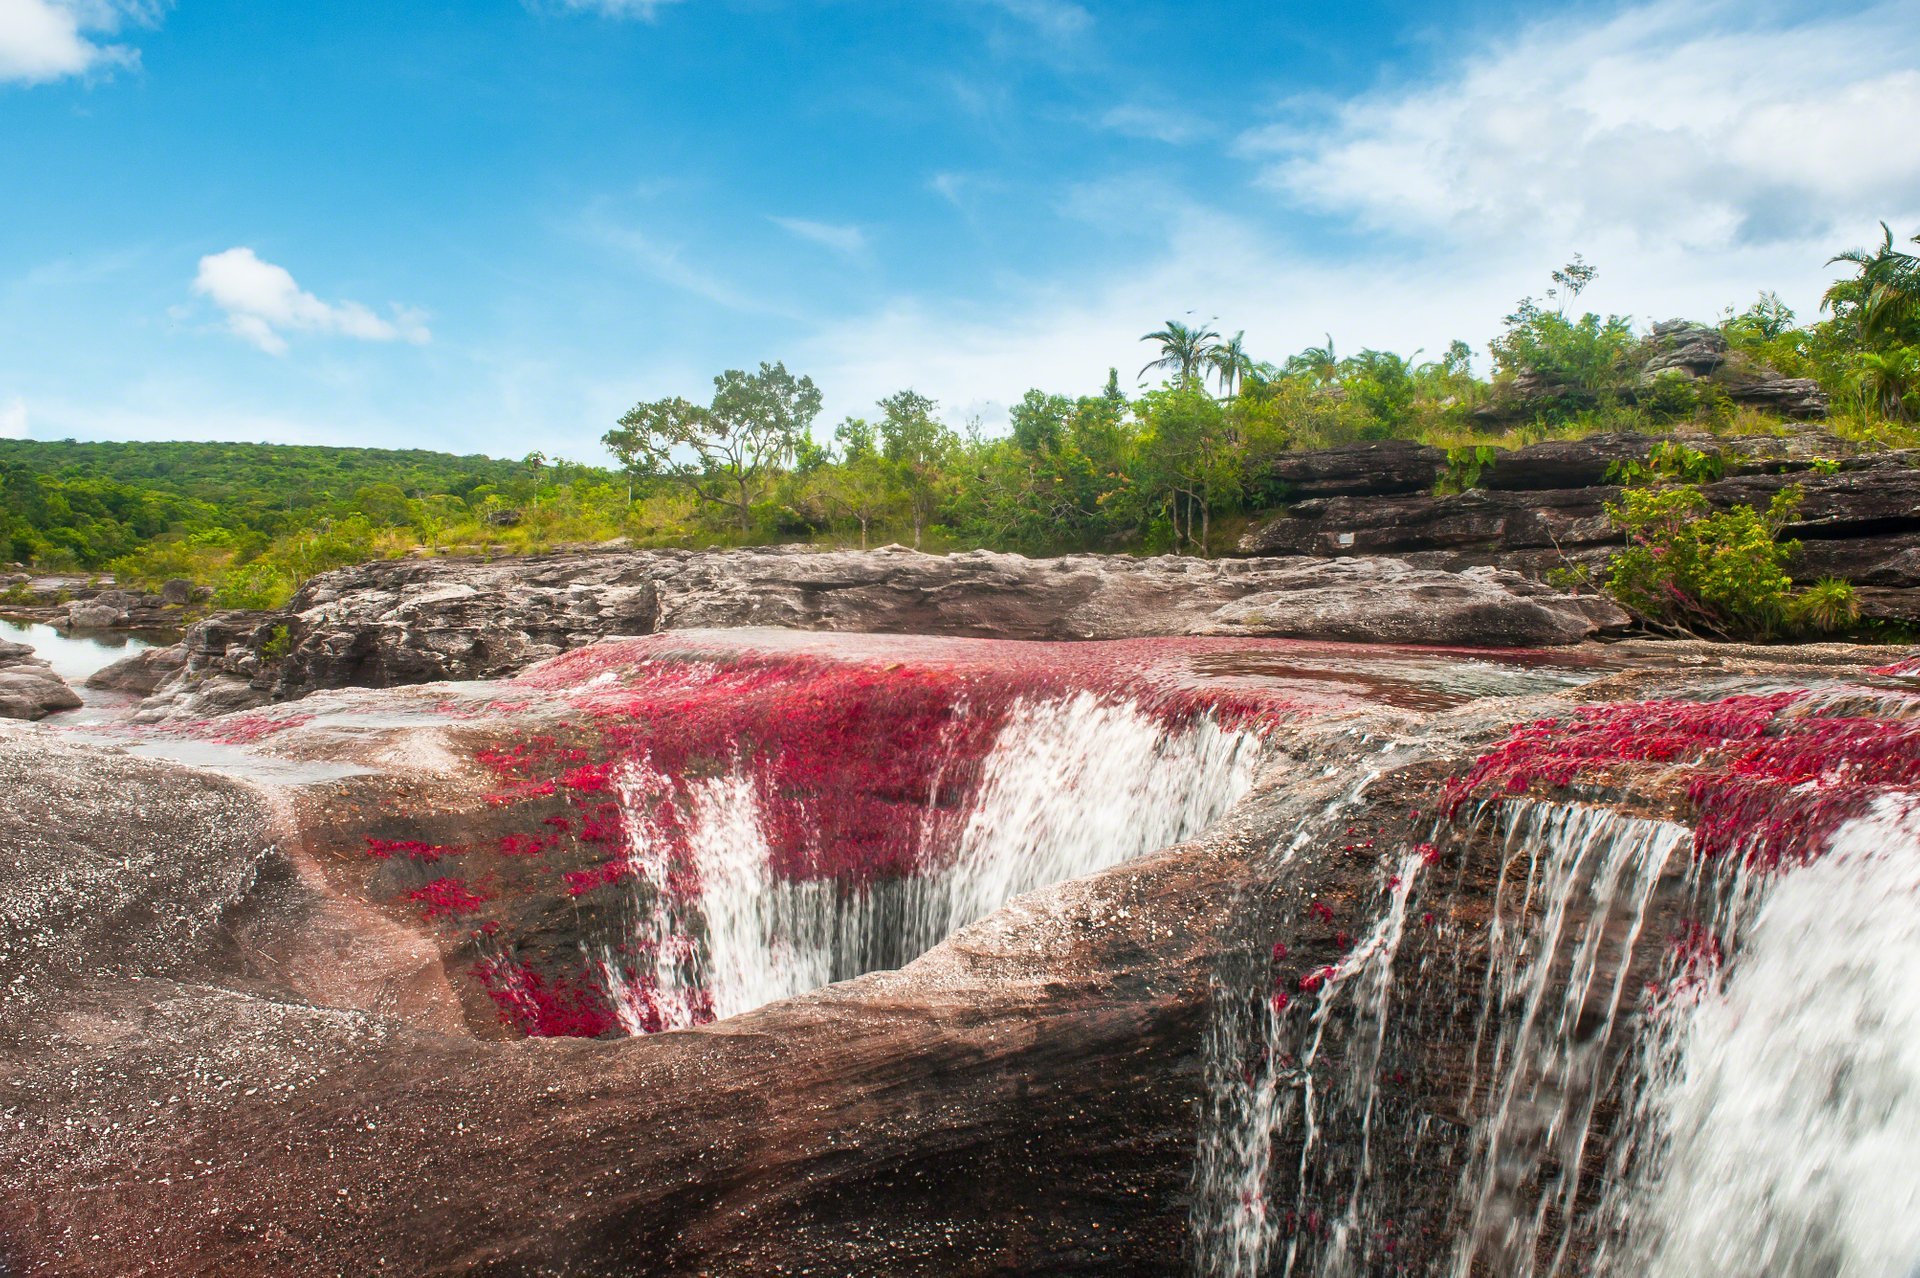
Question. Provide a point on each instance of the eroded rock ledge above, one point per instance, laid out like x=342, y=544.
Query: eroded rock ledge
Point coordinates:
x=418, y=621
x=29, y=689
x=1543, y=506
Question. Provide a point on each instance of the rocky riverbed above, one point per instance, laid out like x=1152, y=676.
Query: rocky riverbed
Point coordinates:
x=317, y=1008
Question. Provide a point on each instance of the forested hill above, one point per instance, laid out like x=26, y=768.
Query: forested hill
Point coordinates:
x=287, y=476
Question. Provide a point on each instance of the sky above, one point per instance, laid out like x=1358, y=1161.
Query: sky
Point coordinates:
x=493, y=225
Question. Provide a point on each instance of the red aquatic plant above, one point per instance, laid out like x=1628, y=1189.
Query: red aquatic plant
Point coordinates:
x=1768, y=777
x=447, y=897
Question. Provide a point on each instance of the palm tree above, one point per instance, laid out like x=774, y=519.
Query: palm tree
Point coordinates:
x=1318, y=362
x=1230, y=362
x=1182, y=349
x=1885, y=295
x=1890, y=381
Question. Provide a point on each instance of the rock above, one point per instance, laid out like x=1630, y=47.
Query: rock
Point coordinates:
x=1857, y=520
x=1385, y=466
x=1695, y=353
x=29, y=689
x=399, y=622
x=177, y=593
x=1564, y=463
x=222, y=1054
x=1480, y=519
x=1683, y=346
x=89, y=614
x=1367, y=600
x=141, y=673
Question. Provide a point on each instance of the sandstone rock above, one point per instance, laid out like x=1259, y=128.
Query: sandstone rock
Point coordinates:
x=1683, y=346
x=1389, y=601
x=141, y=673
x=1385, y=466
x=206, y=1068
x=414, y=621
x=29, y=689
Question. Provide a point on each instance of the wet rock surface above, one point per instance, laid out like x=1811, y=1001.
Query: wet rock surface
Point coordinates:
x=29, y=689
x=416, y=621
x=228, y=1047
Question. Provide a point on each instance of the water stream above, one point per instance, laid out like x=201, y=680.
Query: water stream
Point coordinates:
x=1614, y=1058
x=1067, y=789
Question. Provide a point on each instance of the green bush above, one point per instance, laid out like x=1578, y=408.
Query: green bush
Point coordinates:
x=255, y=585
x=1689, y=568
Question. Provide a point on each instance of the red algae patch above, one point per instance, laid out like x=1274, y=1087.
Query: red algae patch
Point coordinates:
x=858, y=758
x=1767, y=777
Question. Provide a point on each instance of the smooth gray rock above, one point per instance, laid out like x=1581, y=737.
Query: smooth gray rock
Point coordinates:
x=418, y=621
x=29, y=689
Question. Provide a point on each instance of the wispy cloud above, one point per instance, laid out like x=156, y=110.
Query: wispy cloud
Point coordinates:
x=1704, y=124
x=670, y=264
x=263, y=303
x=841, y=238
x=645, y=10
x=1156, y=124
x=1058, y=19
x=42, y=40
x=13, y=419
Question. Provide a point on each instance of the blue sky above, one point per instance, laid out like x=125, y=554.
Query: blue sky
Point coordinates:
x=493, y=225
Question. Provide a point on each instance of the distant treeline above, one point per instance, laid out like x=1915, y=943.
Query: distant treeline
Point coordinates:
x=1177, y=467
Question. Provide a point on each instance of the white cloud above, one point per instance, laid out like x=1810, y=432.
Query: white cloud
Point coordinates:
x=1056, y=18
x=43, y=40
x=262, y=304
x=1695, y=153
x=1154, y=124
x=13, y=419
x=838, y=237
x=1702, y=124
x=645, y=10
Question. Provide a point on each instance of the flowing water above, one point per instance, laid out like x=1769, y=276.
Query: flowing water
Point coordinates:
x=1068, y=787
x=1612, y=1058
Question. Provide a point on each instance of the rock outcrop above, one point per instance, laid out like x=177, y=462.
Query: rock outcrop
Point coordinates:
x=1695, y=356
x=1543, y=506
x=29, y=689
x=414, y=621
x=97, y=603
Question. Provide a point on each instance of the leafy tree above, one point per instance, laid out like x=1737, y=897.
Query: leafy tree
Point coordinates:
x=1184, y=350
x=1883, y=297
x=1381, y=384
x=1230, y=362
x=1888, y=381
x=1317, y=363
x=919, y=447
x=753, y=426
x=1189, y=463
x=1039, y=421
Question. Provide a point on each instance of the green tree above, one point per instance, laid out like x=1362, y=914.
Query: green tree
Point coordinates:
x=1188, y=460
x=1230, y=362
x=726, y=453
x=1184, y=350
x=1883, y=297
x=919, y=447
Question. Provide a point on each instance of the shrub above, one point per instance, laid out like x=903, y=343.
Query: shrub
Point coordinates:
x=1689, y=568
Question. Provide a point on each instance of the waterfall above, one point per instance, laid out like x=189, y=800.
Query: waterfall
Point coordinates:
x=1068, y=787
x=1780, y=1115
x=1569, y=1044
x=1376, y=1167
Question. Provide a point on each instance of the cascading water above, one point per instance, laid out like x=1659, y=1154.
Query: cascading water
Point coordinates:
x=1066, y=788
x=1779, y=1112
x=1568, y=909
x=1568, y=1039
